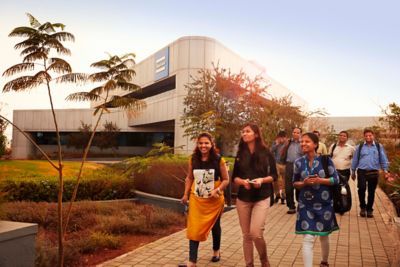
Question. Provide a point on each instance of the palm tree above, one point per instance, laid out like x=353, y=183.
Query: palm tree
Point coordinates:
x=116, y=76
x=41, y=42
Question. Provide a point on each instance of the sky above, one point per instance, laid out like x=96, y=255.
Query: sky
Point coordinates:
x=341, y=56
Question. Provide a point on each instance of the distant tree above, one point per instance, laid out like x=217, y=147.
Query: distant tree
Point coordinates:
x=392, y=118
x=211, y=105
x=42, y=49
x=108, y=137
x=280, y=114
x=3, y=137
x=80, y=139
x=221, y=102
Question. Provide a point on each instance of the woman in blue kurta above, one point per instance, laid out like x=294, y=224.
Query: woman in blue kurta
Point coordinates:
x=315, y=214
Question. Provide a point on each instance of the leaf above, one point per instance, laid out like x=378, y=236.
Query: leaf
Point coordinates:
x=38, y=55
x=83, y=96
x=19, y=68
x=32, y=42
x=55, y=44
x=126, y=103
x=33, y=21
x=63, y=36
x=110, y=85
x=100, y=76
x=21, y=84
x=128, y=86
x=102, y=64
x=47, y=27
x=59, y=65
x=72, y=78
x=23, y=32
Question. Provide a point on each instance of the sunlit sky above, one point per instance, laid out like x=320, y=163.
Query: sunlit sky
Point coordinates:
x=343, y=56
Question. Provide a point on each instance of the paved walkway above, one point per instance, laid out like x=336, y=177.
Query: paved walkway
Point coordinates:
x=360, y=241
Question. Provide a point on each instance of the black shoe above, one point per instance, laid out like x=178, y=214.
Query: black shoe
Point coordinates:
x=362, y=213
x=182, y=265
x=370, y=214
x=277, y=199
x=216, y=258
x=291, y=211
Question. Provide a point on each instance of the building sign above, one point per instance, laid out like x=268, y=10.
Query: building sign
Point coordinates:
x=161, y=63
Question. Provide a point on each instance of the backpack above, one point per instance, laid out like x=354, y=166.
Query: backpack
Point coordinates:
x=341, y=194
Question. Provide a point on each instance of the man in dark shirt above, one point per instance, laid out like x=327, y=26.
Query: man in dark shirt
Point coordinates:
x=290, y=153
x=276, y=149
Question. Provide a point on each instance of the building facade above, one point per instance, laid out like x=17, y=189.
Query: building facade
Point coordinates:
x=162, y=77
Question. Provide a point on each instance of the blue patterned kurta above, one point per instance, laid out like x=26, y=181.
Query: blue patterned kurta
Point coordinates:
x=315, y=216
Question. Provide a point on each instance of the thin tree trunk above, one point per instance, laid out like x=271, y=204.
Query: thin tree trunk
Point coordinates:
x=61, y=183
x=78, y=179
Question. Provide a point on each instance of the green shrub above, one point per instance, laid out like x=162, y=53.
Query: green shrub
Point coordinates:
x=163, y=175
x=101, y=184
x=99, y=240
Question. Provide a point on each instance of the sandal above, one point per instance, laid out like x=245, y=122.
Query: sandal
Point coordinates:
x=324, y=264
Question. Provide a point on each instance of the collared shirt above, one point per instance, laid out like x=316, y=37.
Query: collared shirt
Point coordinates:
x=342, y=156
x=294, y=151
x=322, y=149
x=276, y=150
x=369, y=159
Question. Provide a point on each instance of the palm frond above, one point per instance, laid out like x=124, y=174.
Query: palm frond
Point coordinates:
x=127, y=103
x=47, y=27
x=21, y=83
x=98, y=90
x=110, y=85
x=59, y=25
x=33, y=21
x=30, y=49
x=42, y=76
x=19, y=68
x=23, y=32
x=54, y=43
x=38, y=55
x=28, y=43
x=59, y=65
x=128, y=86
x=63, y=36
x=100, y=76
x=102, y=64
x=79, y=78
x=128, y=56
x=83, y=96
x=126, y=75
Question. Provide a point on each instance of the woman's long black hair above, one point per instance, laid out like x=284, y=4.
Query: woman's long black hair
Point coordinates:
x=196, y=156
x=260, y=148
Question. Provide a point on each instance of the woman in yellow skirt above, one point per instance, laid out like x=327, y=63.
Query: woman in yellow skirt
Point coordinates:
x=204, y=185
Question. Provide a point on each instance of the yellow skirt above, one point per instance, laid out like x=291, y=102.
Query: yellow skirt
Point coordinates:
x=203, y=213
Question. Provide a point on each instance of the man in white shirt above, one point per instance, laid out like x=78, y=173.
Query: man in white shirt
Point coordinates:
x=342, y=154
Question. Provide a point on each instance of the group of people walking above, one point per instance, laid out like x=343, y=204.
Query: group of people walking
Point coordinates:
x=293, y=170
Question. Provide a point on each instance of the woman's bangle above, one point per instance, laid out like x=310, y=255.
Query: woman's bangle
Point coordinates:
x=331, y=180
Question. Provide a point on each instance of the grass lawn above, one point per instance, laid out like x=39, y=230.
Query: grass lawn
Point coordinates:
x=16, y=169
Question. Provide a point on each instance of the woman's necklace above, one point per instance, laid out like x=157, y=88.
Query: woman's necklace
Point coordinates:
x=308, y=173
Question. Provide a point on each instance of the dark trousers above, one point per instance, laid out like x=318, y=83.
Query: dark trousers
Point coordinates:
x=216, y=236
x=344, y=174
x=367, y=179
x=289, y=188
